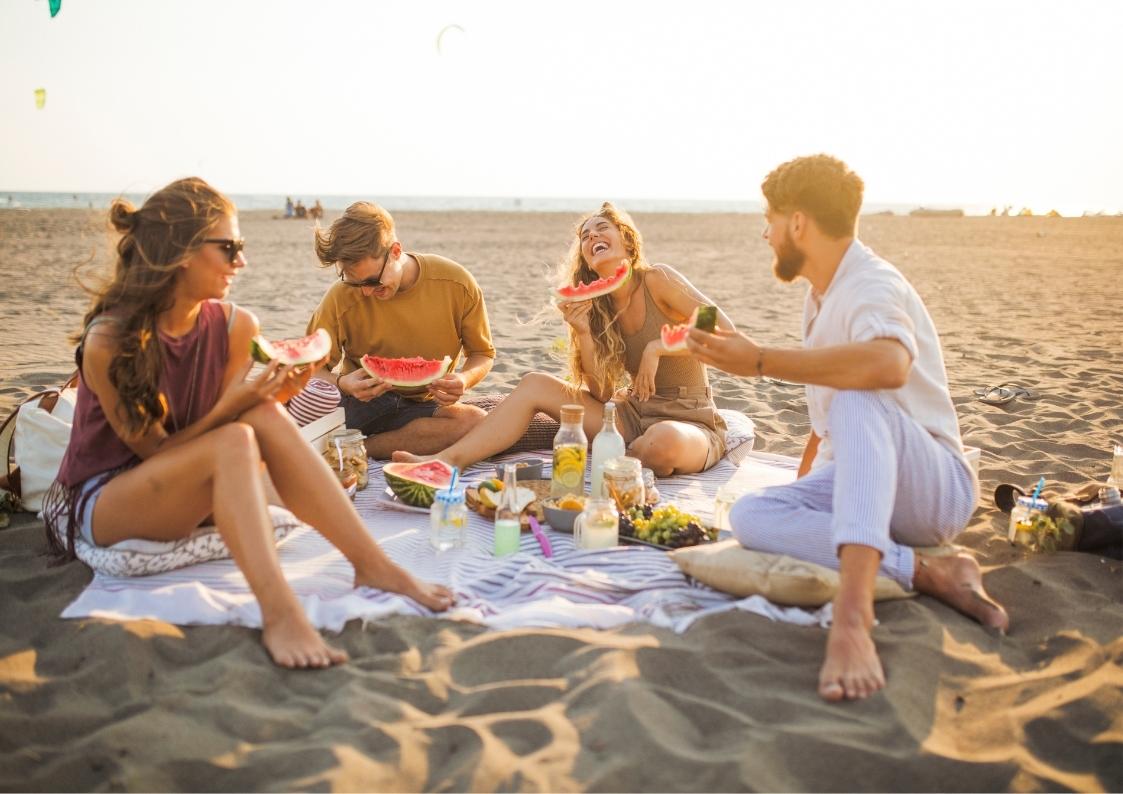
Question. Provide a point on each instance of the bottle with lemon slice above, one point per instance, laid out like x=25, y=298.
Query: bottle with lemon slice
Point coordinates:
x=570, y=453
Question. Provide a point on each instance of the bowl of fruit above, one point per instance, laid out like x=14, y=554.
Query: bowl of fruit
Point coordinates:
x=562, y=512
x=664, y=527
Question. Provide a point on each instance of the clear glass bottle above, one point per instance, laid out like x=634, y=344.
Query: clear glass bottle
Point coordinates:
x=607, y=444
x=507, y=526
x=448, y=520
x=571, y=447
x=346, y=454
x=623, y=482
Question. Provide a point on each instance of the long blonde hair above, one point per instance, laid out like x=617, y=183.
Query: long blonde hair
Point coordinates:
x=607, y=339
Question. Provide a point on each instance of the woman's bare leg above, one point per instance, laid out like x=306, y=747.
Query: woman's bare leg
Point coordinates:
x=217, y=473
x=311, y=491
x=504, y=426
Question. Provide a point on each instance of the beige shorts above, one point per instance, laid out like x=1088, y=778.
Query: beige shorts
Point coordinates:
x=690, y=405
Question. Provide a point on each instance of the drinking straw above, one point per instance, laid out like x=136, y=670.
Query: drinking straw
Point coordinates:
x=456, y=473
x=1037, y=490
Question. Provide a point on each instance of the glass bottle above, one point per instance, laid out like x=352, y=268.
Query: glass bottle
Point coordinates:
x=607, y=444
x=623, y=483
x=448, y=520
x=570, y=453
x=507, y=527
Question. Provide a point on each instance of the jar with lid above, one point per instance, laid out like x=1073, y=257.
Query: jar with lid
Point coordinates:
x=651, y=494
x=1021, y=518
x=623, y=482
x=448, y=520
x=346, y=454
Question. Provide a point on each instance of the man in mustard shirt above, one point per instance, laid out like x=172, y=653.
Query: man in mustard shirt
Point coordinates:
x=395, y=304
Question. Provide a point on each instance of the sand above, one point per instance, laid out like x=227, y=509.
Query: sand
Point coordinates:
x=731, y=704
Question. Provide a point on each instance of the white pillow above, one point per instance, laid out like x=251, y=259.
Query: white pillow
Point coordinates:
x=740, y=434
x=146, y=557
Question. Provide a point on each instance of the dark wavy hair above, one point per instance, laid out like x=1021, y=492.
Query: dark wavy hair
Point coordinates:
x=155, y=241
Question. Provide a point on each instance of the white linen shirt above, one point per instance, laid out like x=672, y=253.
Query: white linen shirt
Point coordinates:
x=869, y=299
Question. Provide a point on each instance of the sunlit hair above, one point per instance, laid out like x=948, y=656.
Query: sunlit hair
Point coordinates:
x=156, y=240
x=603, y=321
x=365, y=229
x=822, y=187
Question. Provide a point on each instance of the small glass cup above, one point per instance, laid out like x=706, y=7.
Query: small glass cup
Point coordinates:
x=598, y=525
x=1021, y=518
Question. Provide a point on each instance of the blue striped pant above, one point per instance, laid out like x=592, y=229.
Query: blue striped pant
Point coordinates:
x=891, y=486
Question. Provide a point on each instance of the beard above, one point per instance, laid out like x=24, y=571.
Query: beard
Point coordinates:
x=789, y=262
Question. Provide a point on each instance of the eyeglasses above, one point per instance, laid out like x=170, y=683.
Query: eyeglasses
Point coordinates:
x=376, y=281
x=231, y=247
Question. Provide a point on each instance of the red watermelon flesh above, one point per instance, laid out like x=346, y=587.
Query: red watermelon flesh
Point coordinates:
x=594, y=289
x=406, y=373
x=674, y=336
x=293, y=352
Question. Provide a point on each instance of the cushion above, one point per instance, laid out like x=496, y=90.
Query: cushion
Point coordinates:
x=730, y=567
x=145, y=557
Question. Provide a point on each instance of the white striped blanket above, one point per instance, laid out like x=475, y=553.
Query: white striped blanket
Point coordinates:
x=574, y=588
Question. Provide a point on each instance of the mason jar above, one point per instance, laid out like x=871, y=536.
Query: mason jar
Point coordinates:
x=346, y=454
x=623, y=482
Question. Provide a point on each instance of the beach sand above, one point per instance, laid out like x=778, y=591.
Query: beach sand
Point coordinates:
x=731, y=704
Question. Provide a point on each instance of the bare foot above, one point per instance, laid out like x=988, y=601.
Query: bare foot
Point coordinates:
x=396, y=580
x=851, y=669
x=293, y=642
x=958, y=582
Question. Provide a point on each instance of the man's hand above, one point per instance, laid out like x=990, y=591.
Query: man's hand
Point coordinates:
x=447, y=390
x=729, y=351
x=361, y=386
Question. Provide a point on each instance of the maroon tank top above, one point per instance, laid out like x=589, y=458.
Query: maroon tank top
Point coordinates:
x=191, y=381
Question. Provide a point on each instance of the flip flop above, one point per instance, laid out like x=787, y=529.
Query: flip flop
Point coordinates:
x=1013, y=388
x=995, y=395
x=1006, y=496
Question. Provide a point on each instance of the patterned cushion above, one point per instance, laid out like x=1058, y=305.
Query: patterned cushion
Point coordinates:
x=318, y=398
x=145, y=557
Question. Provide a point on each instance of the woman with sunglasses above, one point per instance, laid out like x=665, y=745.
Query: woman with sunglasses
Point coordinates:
x=168, y=432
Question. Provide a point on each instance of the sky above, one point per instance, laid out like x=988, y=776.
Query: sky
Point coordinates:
x=937, y=103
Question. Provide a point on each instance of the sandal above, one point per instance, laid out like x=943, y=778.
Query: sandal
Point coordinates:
x=995, y=395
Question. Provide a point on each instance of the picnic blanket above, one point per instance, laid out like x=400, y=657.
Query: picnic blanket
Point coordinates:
x=574, y=588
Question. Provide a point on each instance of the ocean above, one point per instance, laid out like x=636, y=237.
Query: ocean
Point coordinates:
x=15, y=199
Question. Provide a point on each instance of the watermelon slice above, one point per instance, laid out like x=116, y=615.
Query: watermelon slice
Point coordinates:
x=594, y=289
x=406, y=373
x=417, y=483
x=293, y=352
x=674, y=336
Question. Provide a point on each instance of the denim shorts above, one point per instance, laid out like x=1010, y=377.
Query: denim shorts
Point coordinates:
x=91, y=490
x=385, y=413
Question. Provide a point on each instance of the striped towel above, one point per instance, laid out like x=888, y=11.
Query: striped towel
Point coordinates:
x=318, y=398
x=574, y=588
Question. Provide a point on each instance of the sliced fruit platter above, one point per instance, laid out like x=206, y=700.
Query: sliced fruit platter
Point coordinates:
x=484, y=496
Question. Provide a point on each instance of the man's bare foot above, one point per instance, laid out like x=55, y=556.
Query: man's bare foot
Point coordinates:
x=851, y=669
x=293, y=642
x=396, y=580
x=958, y=582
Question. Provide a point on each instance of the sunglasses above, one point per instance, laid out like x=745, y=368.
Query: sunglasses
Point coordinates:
x=231, y=247
x=374, y=281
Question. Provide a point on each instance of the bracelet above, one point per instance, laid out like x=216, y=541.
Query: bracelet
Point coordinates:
x=760, y=362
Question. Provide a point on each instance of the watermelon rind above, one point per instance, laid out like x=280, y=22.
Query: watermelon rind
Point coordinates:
x=705, y=318
x=293, y=352
x=674, y=337
x=602, y=286
x=431, y=369
x=416, y=484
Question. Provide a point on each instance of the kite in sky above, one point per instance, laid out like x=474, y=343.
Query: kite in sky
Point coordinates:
x=40, y=97
x=55, y=6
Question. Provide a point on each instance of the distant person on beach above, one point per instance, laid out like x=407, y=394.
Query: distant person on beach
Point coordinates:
x=168, y=433
x=883, y=470
x=665, y=412
x=397, y=304
x=288, y=206
x=316, y=211
x=299, y=209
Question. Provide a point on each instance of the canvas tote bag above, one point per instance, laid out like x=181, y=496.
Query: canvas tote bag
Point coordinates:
x=36, y=435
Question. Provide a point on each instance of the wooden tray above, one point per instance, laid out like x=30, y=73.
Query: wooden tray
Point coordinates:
x=541, y=490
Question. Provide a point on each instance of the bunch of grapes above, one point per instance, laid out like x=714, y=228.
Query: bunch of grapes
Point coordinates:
x=665, y=525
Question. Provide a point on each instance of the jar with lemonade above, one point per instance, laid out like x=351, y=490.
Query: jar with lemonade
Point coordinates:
x=571, y=447
x=598, y=525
